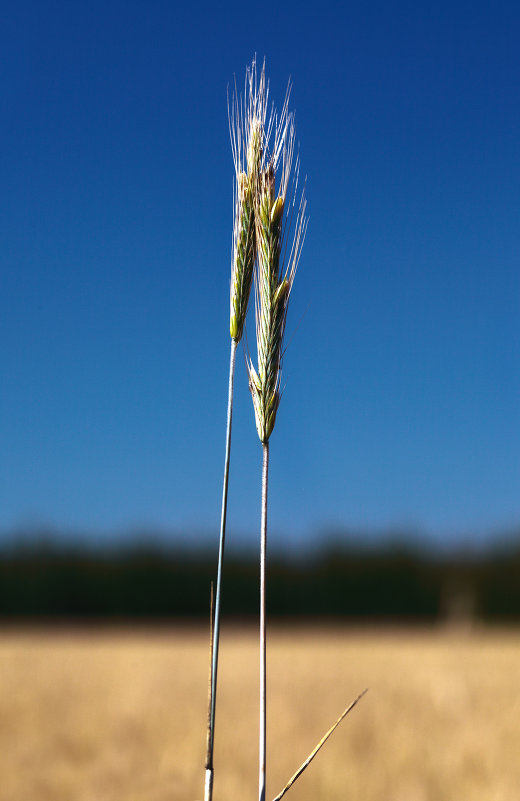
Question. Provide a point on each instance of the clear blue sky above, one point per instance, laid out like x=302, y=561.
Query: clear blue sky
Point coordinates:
x=402, y=378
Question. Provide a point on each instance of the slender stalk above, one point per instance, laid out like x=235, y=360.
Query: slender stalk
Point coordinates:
x=208, y=787
x=208, y=784
x=263, y=548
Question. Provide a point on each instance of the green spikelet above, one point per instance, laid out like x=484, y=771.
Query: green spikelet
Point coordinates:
x=244, y=236
x=273, y=296
x=244, y=257
x=274, y=281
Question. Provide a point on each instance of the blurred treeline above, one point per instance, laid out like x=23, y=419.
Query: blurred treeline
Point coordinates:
x=389, y=582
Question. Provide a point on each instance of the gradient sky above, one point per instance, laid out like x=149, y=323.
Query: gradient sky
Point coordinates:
x=401, y=405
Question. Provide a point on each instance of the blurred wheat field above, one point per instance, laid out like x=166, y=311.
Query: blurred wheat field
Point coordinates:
x=119, y=715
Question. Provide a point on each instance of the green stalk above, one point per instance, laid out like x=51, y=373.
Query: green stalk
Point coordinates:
x=208, y=785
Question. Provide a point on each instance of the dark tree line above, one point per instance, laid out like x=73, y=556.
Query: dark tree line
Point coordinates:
x=392, y=583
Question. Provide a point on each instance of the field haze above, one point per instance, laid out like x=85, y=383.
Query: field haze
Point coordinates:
x=118, y=715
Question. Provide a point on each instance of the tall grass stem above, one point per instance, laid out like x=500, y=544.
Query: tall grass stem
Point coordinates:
x=208, y=791
x=263, y=660
x=208, y=780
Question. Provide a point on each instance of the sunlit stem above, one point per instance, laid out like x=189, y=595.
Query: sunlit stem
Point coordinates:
x=263, y=544
x=208, y=786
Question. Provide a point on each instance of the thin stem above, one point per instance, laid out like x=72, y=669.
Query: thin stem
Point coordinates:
x=208, y=787
x=263, y=548
x=208, y=783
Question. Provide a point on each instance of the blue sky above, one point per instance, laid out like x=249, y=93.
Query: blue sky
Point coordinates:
x=401, y=405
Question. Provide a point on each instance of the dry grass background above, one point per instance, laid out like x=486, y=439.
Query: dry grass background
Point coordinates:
x=120, y=715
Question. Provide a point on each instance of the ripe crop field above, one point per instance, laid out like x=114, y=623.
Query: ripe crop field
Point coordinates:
x=119, y=715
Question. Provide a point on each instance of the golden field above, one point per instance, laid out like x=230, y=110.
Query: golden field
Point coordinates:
x=119, y=715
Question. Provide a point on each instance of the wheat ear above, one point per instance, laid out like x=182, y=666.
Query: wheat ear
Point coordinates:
x=273, y=285
x=246, y=125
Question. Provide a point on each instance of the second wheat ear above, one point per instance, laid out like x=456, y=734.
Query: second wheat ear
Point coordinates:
x=273, y=285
